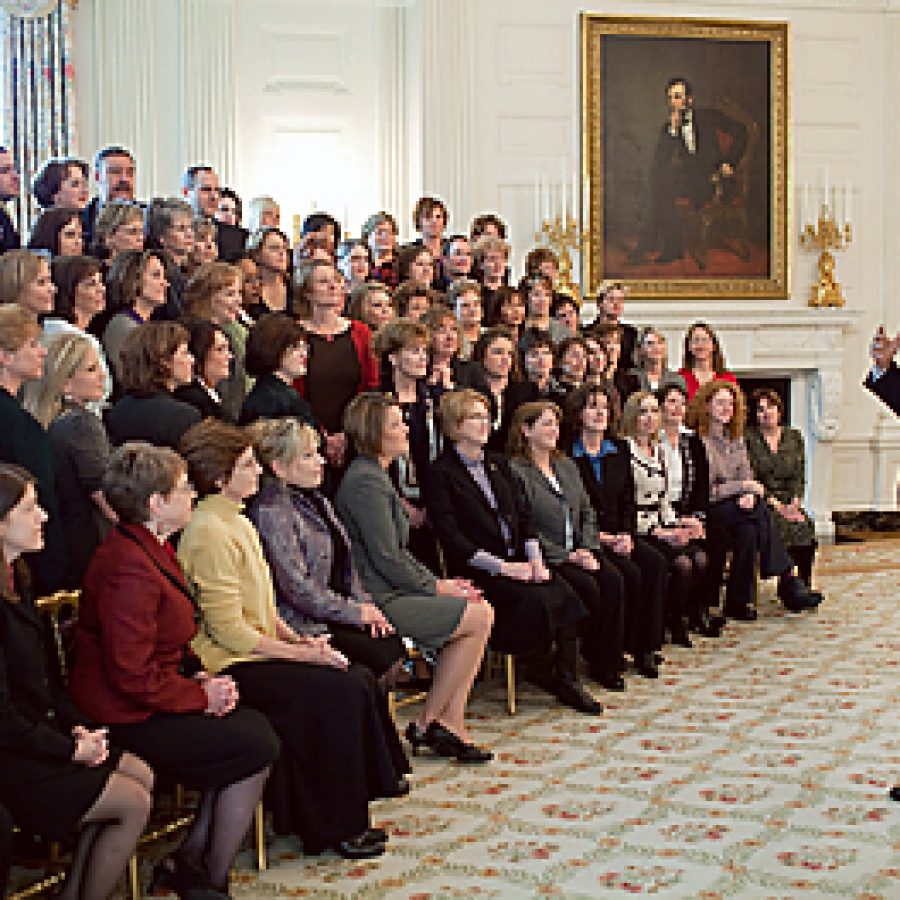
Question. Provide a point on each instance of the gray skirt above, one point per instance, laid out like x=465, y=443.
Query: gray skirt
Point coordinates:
x=427, y=619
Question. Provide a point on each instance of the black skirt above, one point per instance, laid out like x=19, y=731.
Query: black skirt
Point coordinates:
x=199, y=751
x=377, y=654
x=339, y=747
x=50, y=798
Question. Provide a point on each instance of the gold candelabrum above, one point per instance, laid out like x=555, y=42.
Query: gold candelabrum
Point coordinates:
x=826, y=235
x=563, y=236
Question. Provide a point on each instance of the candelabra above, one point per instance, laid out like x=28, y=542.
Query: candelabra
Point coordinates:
x=826, y=235
x=562, y=235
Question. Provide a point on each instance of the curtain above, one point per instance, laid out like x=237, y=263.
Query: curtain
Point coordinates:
x=37, y=78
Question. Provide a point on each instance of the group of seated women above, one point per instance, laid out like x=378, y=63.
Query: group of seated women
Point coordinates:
x=377, y=469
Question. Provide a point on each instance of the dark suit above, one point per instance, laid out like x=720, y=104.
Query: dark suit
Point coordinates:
x=886, y=388
x=527, y=614
x=272, y=398
x=9, y=237
x=198, y=397
x=158, y=418
x=46, y=792
x=645, y=571
x=679, y=176
x=231, y=241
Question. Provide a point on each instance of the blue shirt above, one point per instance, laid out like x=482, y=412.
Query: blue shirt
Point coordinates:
x=607, y=448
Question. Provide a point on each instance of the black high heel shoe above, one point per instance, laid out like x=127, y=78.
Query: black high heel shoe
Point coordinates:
x=416, y=737
x=176, y=874
x=443, y=742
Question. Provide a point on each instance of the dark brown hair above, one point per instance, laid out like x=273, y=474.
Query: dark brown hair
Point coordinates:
x=577, y=402
x=269, y=339
x=134, y=472
x=528, y=414
x=68, y=272
x=211, y=448
x=146, y=356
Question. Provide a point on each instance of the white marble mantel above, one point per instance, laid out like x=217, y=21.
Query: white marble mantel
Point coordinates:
x=805, y=345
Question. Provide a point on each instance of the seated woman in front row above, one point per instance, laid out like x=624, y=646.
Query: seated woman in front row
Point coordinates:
x=486, y=535
x=738, y=515
x=133, y=672
x=309, y=553
x=566, y=527
x=55, y=774
x=339, y=746
x=446, y=617
x=676, y=537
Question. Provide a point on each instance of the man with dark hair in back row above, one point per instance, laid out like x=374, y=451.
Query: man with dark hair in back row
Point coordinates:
x=200, y=186
x=9, y=190
x=114, y=172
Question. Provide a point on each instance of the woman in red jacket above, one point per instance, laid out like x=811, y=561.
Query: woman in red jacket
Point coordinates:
x=133, y=670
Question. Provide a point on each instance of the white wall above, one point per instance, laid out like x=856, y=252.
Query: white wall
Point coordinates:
x=358, y=104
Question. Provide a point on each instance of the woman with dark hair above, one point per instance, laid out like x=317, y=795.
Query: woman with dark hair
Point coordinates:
x=566, y=527
x=510, y=311
x=323, y=226
x=778, y=458
x=380, y=234
x=55, y=773
x=134, y=672
x=447, y=618
x=308, y=551
x=73, y=380
x=738, y=516
x=571, y=363
x=155, y=360
x=213, y=293
x=62, y=182
x=703, y=360
x=495, y=353
x=687, y=473
x=58, y=231
x=209, y=346
x=23, y=441
x=415, y=263
x=486, y=535
x=340, y=364
x=604, y=463
x=340, y=748
x=230, y=210
x=413, y=300
x=537, y=292
x=269, y=248
x=354, y=261
x=136, y=287
x=276, y=358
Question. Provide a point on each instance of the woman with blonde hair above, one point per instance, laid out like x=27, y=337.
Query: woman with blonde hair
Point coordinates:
x=738, y=516
x=25, y=279
x=72, y=379
x=447, y=618
x=120, y=226
x=263, y=212
x=308, y=551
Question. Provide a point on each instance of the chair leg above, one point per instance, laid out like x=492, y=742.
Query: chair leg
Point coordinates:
x=392, y=706
x=134, y=878
x=511, y=684
x=259, y=828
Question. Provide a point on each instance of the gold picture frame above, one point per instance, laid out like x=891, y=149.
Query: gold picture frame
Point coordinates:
x=685, y=150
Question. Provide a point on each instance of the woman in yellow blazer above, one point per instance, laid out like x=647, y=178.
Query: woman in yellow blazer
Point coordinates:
x=339, y=746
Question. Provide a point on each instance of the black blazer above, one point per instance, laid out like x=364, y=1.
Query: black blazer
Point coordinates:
x=198, y=397
x=9, y=237
x=462, y=517
x=614, y=499
x=158, y=418
x=887, y=388
x=36, y=715
x=694, y=477
x=272, y=398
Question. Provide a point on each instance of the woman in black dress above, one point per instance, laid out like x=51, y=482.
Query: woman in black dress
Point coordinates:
x=56, y=774
x=208, y=344
x=308, y=551
x=486, y=534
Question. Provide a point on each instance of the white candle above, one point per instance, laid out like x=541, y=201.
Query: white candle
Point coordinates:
x=537, y=203
x=848, y=211
x=545, y=192
x=563, y=190
x=808, y=211
x=827, y=201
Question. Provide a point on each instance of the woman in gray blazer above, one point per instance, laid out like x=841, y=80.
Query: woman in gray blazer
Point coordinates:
x=448, y=617
x=566, y=526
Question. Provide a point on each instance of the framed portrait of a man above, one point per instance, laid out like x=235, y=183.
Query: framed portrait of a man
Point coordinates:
x=684, y=129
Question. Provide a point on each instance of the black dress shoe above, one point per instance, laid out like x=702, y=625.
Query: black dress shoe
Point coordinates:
x=658, y=658
x=572, y=693
x=415, y=736
x=611, y=681
x=647, y=666
x=895, y=793
x=795, y=595
x=377, y=834
x=707, y=628
x=681, y=638
x=443, y=742
x=176, y=874
x=363, y=846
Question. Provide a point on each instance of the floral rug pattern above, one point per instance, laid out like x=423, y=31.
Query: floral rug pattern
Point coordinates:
x=757, y=766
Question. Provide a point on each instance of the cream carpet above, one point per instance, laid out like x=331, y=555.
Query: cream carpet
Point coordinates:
x=757, y=766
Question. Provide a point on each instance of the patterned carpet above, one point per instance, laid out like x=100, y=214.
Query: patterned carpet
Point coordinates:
x=758, y=766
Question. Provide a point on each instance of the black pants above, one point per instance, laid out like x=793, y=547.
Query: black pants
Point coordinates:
x=603, y=631
x=746, y=532
x=644, y=574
